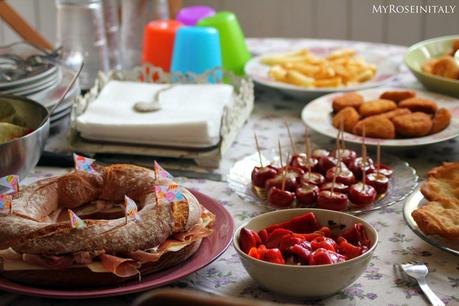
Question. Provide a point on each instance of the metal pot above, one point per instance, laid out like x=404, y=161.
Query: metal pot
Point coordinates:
x=21, y=155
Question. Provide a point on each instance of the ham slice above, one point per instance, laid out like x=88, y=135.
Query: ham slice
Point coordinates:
x=50, y=262
x=121, y=267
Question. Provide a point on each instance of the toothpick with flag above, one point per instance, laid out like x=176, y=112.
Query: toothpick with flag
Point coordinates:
x=75, y=221
x=161, y=173
x=11, y=182
x=6, y=201
x=83, y=164
x=131, y=209
x=168, y=193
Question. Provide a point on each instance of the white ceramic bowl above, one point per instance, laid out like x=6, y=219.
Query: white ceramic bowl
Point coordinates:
x=310, y=282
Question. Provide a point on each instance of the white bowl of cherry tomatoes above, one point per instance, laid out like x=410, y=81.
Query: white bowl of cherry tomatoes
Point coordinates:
x=305, y=252
x=330, y=180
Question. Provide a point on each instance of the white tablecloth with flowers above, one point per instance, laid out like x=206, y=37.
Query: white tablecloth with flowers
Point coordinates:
x=398, y=244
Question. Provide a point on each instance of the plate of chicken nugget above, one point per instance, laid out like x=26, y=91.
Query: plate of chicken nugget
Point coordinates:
x=392, y=117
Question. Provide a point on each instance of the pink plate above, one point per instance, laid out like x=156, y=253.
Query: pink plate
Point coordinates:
x=211, y=248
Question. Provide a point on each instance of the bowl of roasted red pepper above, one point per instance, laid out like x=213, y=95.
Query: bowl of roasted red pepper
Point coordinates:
x=305, y=252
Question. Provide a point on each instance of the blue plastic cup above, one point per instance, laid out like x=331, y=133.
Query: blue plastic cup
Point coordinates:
x=196, y=50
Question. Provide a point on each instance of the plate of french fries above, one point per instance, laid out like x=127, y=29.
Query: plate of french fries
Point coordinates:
x=316, y=71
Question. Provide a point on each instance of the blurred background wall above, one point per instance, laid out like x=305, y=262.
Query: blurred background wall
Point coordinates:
x=340, y=19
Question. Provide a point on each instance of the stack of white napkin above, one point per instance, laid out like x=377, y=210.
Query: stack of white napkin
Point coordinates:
x=190, y=115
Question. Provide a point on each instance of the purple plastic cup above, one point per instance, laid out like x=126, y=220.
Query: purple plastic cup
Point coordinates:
x=192, y=14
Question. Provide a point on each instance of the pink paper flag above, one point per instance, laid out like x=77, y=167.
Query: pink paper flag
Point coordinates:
x=83, y=164
x=131, y=208
x=161, y=173
x=5, y=201
x=11, y=182
x=75, y=221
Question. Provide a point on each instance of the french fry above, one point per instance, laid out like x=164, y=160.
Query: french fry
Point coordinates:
x=296, y=78
x=340, y=68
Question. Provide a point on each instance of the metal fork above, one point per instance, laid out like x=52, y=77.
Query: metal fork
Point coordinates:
x=416, y=272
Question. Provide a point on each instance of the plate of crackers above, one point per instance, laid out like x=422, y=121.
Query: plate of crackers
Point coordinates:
x=392, y=117
x=433, y=211
x=310, y=72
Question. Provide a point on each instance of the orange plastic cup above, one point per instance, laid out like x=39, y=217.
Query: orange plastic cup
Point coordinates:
x=158, y=42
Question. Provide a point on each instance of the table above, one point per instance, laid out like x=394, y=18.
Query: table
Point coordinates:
x=398, y=243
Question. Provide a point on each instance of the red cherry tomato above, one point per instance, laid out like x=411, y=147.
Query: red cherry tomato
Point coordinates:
x=343, y=175
x=327, y=162
x=325, y=257
x=261, y=174
x=362, y=194
x=318, y=153
x=300, y=161
x=378, y=181
x=383, y=169
x=274, y=256
x=346, y=155
x=280, y=198
x=306, y=194
x=313, y=178
x=248, y=239
x=332, y=200
x=338, y=187
x=356, y=166
x=324, y=243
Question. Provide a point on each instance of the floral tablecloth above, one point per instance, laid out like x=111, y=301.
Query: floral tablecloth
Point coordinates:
x=398, y=244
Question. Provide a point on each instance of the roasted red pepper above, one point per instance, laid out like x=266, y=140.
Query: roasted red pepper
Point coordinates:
x=302, y=250
x=253, y=252
x=324, y=243
x=305, y=223
x=274, y=256
x=325, y=257
x=347, y=249
x=357, y=235
x=263, y=234
x=287, y=242
x=248, y=239
x=275, y=237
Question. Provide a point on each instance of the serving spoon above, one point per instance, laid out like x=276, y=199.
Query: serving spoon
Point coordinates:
x=67, y=89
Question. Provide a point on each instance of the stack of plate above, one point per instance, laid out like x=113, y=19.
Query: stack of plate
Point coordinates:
x=24, y=71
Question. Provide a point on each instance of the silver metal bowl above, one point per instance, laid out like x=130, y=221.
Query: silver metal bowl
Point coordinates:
x=21, y=155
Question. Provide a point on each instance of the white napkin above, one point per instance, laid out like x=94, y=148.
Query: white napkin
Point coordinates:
x=190, y=115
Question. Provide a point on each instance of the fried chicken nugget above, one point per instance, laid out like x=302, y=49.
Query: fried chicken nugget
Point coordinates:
x=349, y=116
x=396, y=112
x=413, y=125
x=419, y=105
x=376, y=107
x=376, y=127
x=348, y=99
x=446, y=67
x=397, y=95
x=441, y=120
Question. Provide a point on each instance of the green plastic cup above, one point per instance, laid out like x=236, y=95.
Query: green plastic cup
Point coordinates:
x=234, y=49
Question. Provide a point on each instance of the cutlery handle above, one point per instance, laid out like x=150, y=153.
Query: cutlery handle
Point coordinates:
x=433, y=298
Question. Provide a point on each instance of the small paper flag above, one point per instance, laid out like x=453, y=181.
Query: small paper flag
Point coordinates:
x=5, y=201
x=161, y=173
x=169, y=193
x=83, y=164
x=75, y=221
x=131, y=208
x=11, y=182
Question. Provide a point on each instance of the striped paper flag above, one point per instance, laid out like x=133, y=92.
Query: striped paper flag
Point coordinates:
x=131, y=209
x=75, y=221
x=11, y=182
x=83, y=164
